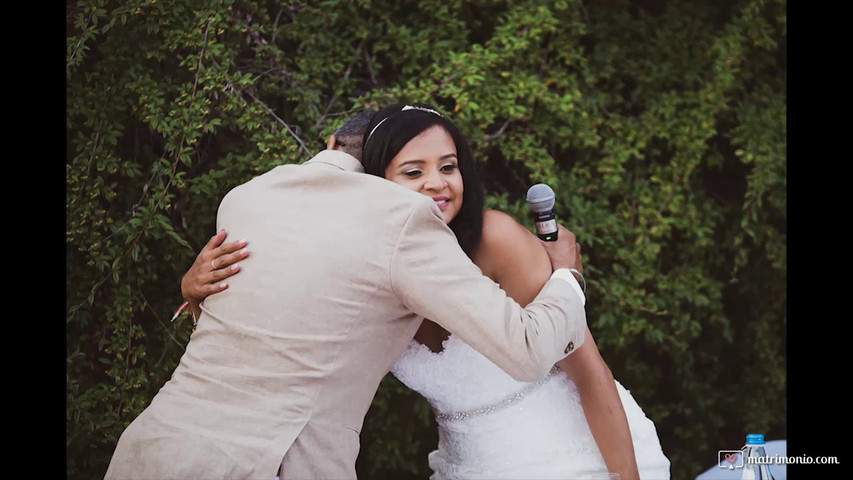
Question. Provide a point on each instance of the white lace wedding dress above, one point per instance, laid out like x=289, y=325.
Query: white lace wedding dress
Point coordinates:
x=494, y=427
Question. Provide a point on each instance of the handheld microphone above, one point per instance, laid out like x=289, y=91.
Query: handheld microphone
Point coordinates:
x=540, y=199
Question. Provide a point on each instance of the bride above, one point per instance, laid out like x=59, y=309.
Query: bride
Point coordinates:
x=576, y=422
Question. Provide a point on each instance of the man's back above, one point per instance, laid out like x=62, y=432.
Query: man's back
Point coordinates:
x=300, y=339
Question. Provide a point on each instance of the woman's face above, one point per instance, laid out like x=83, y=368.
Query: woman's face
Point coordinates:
x=428, y=165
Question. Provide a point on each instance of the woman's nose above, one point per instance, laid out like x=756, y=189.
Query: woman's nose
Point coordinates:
x=435, y=182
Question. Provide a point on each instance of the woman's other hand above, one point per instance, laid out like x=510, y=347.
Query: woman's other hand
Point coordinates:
x=215, y=263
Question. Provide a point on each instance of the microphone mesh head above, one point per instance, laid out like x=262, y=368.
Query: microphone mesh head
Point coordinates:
x=540, y=198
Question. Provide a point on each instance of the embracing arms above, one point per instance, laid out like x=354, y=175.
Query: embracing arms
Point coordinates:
x=432, y=277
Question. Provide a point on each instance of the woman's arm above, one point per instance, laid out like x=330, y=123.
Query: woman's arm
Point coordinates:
x=602, y=407
x=513, y=257
x=202, y=279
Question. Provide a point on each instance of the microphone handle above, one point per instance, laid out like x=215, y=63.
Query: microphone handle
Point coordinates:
x=546, y=226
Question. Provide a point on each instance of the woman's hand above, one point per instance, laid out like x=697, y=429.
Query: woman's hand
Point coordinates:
x=213, y=264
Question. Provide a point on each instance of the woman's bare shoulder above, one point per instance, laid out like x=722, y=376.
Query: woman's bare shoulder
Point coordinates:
x=501, y=230
x=505, y=244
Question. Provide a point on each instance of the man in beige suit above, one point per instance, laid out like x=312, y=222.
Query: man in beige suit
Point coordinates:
x=285, y=362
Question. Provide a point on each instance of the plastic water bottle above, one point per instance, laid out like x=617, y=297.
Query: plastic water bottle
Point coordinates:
x=754, y=448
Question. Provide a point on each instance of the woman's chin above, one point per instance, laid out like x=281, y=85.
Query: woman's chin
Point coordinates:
x=448, y=217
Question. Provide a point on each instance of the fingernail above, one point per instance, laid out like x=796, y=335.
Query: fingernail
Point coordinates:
x=223, y=285
x=243, y=251
x=244, y=241
x=234, y=268
x=221, y=230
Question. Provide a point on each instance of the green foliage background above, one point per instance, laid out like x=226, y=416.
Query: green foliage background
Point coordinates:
x=660, y=123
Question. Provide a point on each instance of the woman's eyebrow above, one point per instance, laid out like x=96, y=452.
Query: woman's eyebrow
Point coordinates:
x=443, y=157
x=412, y=161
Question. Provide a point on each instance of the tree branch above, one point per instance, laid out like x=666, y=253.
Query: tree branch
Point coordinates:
x=370, y=69
x=499, y=132
x=165, y=327
x=79, y=42
x=279, y=120
x=229, y=86
x=200, y=57
x=275, y=25
x=335, y=97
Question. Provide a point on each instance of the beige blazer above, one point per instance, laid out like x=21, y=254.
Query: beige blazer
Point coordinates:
x=286, y=361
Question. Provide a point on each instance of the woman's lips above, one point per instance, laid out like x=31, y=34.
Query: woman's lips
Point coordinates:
x=442, y=202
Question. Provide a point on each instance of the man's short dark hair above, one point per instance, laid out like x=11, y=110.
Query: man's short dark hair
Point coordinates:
x=348, y=137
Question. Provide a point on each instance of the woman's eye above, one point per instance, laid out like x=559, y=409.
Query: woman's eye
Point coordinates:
x=448, y=168
x=412, y=173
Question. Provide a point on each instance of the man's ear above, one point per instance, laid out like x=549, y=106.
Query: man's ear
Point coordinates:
x=330, y=143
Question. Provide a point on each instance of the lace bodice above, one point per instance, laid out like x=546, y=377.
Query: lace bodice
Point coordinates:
x=456, y=379
x=492, y=426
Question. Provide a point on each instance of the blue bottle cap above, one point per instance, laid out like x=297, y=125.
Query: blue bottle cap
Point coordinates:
x=755, y=439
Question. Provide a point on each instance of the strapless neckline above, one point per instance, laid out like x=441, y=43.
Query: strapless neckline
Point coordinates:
x=430, y=351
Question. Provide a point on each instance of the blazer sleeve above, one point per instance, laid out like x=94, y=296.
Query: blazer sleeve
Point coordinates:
x=434, y=278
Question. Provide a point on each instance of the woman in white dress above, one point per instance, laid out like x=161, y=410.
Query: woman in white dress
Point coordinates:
x=576, y=422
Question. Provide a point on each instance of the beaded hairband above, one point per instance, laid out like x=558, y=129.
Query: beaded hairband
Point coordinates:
x=407, y=107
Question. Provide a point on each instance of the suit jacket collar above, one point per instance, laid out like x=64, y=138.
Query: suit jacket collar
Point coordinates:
x=338, y=159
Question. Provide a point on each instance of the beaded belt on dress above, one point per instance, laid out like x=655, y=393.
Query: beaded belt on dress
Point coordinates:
x=505, y=402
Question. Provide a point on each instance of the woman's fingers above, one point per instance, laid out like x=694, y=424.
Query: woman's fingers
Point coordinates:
x=229, y=253
x=207, y=252
x=222, y=273
x=216, y=240
x=212, y=288
x=225, y=256
x=229, y=259
x=199, y=286
x=216, y=262
x=226, y=266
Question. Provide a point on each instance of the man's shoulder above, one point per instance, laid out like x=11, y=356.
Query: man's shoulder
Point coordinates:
x=255, y=181
x=364, y=184
x=357, y=190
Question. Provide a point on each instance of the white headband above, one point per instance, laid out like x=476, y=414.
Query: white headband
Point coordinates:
x=407, y=107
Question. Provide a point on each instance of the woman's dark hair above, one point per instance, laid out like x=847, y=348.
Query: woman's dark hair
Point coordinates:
x=392, y=128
